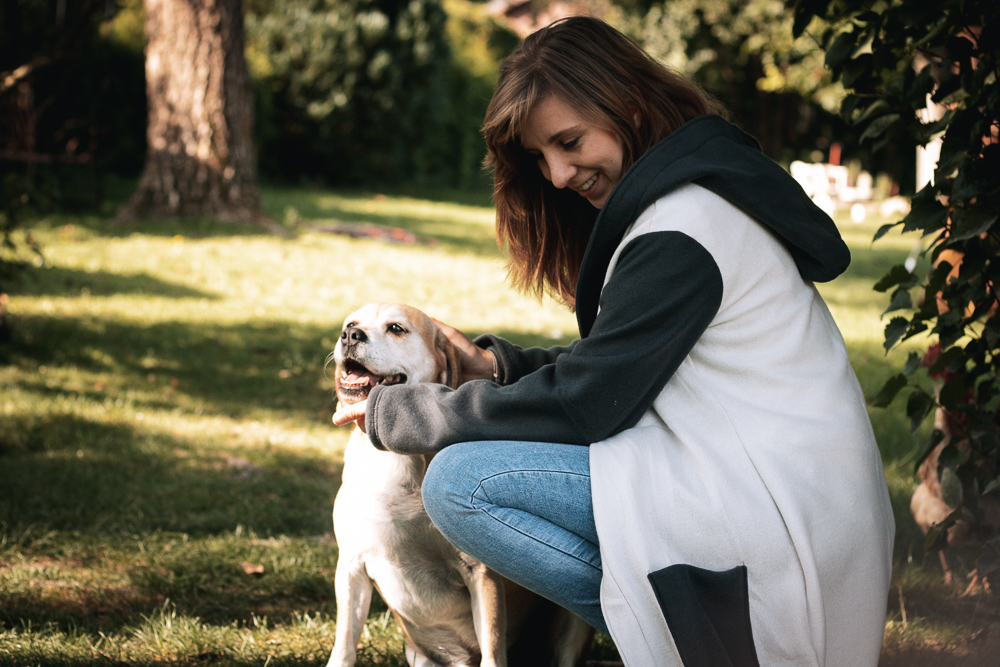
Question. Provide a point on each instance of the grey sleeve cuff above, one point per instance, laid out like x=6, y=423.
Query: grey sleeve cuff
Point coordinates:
x=371, y=418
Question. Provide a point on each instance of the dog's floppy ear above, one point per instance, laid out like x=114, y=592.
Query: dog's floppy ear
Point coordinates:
x=450, y=375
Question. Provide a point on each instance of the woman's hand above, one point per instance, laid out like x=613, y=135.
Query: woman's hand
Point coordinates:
x=476, y=363
x=355, y=412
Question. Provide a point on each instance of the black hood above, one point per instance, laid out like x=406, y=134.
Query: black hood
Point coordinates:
x=720, y=157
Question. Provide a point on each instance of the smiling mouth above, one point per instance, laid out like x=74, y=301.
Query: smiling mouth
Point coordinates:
x=355, y=382
x=585, y=188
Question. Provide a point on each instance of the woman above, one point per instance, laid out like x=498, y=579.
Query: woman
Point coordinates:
x=727, y=505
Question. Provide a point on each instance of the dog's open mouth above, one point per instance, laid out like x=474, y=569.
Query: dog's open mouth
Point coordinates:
x=358, y=381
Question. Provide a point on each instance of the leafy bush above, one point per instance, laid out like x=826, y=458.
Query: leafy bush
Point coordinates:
x=872, y=48
x=360, y=91
x=773, y=85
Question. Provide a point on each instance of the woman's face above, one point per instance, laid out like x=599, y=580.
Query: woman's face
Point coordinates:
x=572, y=152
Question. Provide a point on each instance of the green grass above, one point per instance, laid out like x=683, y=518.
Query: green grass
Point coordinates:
x=165, y=418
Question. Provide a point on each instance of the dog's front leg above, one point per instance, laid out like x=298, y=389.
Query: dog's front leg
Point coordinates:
x=489, y=613
x=353, y=589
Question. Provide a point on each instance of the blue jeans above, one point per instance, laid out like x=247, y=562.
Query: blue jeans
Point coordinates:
x=525, y=510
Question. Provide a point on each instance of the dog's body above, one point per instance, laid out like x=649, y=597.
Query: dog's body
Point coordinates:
x=452, y=609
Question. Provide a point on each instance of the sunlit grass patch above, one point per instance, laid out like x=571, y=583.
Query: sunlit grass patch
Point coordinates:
x=165, y=421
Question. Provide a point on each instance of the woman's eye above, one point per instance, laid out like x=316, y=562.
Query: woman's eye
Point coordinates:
x=570, y=144
x=396, y=329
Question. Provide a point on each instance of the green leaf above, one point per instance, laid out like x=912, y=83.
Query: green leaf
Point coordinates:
x=935, y=31
x=954, y=98
x=888, y=391
x=854, y=69
x=900, y=300
x=883, y=230
x=975, y=177
x=926, y=212
x=920, y=87
x=951, y=394
x=805, y=10
x=894, y=330
x=951, y=486
x=876, y=108
x=912, y=364
x=841, y=49
x=945, y=360
x=898, y=275
x=918, y=406
x=878, y=126
x=970, y=222
x=937, y=536
x=935, y=439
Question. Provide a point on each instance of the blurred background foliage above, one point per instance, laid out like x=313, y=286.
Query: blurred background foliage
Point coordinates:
x=363, y=91
x=380, y=93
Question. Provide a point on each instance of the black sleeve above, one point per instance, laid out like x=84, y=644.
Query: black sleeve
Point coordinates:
x=514, y=362
x=663, y=294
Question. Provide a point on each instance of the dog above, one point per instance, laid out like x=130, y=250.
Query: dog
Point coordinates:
x=452, y=609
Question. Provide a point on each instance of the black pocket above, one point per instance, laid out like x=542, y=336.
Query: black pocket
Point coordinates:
x=708, y=614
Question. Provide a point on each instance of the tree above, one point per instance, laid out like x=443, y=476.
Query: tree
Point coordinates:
x=201, y=159
x=896, y=57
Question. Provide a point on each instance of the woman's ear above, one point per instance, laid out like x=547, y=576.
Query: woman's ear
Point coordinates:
x=635, y=107
x=636, y=114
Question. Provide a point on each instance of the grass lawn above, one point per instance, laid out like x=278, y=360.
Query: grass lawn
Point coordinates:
x=167, y=462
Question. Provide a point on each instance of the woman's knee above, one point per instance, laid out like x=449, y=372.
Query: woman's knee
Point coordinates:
x=449, y=484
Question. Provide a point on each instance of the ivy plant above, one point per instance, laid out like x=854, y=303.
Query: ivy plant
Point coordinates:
x=892, y=56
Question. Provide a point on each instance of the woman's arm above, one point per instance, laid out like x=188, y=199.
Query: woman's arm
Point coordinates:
x=514, y=362
x=665, y=291
x=490, y=357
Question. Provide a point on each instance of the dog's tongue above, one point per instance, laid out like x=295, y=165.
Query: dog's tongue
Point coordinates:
x=360, y=378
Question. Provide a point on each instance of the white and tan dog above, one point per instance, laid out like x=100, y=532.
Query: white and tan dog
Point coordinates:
x=453, y=610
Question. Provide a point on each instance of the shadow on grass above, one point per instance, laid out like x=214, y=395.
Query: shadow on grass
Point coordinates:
x=63, y=472
x=451, y=237
x=227, y=370
x=311, y=211
x=172, y=517
x=58, y=281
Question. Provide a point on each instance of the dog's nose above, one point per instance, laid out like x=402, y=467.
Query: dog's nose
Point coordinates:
x=352, y=335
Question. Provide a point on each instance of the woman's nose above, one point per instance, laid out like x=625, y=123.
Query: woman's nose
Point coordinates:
x=558, y=171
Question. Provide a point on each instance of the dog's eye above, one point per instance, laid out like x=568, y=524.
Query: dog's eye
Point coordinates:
x=350, y=324
x=396, y=328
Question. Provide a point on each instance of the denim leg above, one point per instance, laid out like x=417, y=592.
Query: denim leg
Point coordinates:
x=525, y=510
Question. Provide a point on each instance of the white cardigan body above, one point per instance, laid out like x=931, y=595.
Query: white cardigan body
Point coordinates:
x=758, y=452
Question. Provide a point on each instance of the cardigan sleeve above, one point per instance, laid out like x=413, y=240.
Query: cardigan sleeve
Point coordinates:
x=514, y=362
x=664, y=292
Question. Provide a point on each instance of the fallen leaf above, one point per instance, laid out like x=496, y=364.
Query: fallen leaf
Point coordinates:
x=253, y=569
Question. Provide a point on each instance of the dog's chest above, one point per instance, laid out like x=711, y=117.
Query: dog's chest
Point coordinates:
x=379, y=517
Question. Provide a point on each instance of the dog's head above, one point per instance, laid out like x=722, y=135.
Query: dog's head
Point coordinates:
x=391, y=344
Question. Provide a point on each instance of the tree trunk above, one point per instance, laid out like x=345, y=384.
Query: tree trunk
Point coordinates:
x=201, y=159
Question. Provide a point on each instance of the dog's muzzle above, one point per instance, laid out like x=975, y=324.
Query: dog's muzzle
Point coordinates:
x=351, y=336
x=355, y=381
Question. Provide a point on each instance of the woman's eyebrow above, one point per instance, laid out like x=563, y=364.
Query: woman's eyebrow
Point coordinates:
x=555, y=138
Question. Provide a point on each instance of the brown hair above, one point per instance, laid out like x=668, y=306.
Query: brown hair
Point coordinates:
x=607, y=78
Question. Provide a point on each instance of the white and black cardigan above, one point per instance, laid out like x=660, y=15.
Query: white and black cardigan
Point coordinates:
x=739, y=496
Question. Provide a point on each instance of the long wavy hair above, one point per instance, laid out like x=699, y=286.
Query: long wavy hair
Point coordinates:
x=607, y=79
